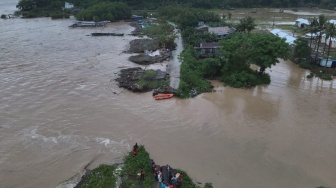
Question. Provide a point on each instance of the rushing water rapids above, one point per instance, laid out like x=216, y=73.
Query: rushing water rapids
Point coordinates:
x=60, y=110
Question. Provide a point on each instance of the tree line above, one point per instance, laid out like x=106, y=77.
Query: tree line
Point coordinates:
x=207, y=4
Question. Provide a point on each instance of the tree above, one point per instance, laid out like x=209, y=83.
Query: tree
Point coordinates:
x=322, y=20
x=246, y=24
x=301, y=50
x=312, y=29
x=229, y=15
x=262, y=49
x=26, y=5
x=331, y=32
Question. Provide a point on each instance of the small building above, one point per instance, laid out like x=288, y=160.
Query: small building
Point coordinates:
x=302, y=23
x=68, y=5
x=210, y=49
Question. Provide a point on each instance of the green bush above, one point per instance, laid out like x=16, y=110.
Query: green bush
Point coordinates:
x=310, y=75
x=29, y=15
x=245, y=79
x=208, y=185
x=305, y=65
x=101, y=177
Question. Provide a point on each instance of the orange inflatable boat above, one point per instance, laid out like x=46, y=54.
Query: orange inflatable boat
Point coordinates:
x=163, y=96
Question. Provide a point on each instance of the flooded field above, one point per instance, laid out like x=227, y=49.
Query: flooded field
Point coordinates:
x=61, y=110
x=279, y=16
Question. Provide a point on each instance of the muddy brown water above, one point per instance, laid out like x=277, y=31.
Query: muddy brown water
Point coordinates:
x=60, y=110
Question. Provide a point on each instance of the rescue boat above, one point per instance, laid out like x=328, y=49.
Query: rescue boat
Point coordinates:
x=160, y=96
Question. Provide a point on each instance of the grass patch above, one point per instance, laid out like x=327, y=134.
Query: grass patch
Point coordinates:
x=148, y=81
x=133, y=166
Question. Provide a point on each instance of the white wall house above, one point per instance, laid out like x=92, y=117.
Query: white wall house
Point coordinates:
x=302, y=23
x=68, y=5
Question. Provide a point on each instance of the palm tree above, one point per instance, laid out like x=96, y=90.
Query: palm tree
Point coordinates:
x=322, y=20
x=312, y=29
x=331, y=30
x=327, y=32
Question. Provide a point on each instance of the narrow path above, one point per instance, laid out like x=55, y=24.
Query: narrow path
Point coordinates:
x=173, y=66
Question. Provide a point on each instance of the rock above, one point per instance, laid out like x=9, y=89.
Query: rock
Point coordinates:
x=140, y=45
x=129, y=79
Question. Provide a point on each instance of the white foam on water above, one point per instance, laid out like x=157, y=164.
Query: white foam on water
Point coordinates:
x=112, y=145
x=31, y=133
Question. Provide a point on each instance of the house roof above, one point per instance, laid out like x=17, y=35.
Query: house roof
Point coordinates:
x=209, y=45
x=282, y=34
x=304, y=21
x=221, y=30
x=332, y=21
x=275, y=31
x=290, y=39
x=201, y=27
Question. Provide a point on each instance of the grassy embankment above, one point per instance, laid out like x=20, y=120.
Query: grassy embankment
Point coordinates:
x=106, y=175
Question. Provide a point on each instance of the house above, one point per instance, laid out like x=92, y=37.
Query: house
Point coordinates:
x=220, y=32
x=302, y=23
x=68, y=5
x=210, y=49
x=282, y=34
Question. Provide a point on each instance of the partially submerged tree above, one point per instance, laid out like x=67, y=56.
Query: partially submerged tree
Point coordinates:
x=322, y=20
x=246, y=24
x=26, y=5
x=262, y=49
x=331, y=33
x=301, y=50
x=312, y=29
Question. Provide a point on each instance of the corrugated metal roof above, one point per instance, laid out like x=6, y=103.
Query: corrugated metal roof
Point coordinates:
x=221, y=30
x=304, y=21
x=209, y=45
x=282, y=34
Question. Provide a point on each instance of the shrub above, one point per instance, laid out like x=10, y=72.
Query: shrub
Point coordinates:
x=59, y=16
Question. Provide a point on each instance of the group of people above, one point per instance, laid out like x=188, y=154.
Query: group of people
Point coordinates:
x=165, y=176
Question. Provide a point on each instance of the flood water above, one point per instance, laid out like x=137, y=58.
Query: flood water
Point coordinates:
x=60, y=110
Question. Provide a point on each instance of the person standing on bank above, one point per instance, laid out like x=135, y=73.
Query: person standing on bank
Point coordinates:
x=142, y=175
